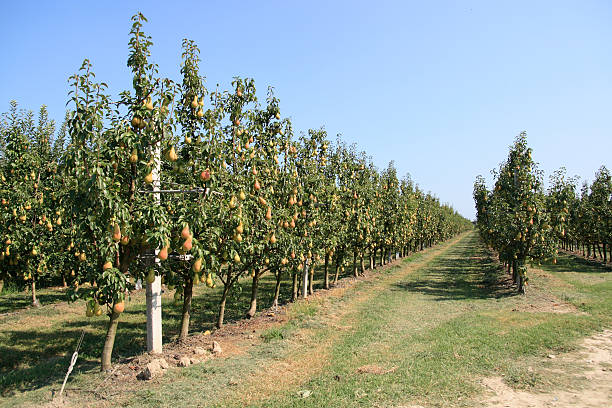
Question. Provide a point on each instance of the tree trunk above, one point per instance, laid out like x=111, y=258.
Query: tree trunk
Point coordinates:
x=521, y=285
x=361, y=265
x=588, y=246
x=222, y=304
x=354, y=262
x=294, y=294
x=599, y=250
x=187, y=295
x=594, y=252
x=1, y=285
x=64, y=283
x=605, y=256
x=521, y=272
x=326, y=272
x=107, y=351
x=372, y=267
x=311, y=276
x=35, y=301
x=375, y=258
x=382, y=256
x=337, y=269
x=254, y=285
x=277, y=287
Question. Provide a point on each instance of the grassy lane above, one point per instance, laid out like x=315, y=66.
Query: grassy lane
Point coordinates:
x=424, y=333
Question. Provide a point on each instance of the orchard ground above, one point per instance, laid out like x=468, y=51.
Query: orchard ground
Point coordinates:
x=440, y=328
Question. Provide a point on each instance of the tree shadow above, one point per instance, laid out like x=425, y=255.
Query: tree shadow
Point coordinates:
x=14, y=302
x=572, y=263
x=466, y=272
x=38, y=356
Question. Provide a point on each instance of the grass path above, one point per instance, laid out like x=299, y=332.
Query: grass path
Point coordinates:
x=425, y=331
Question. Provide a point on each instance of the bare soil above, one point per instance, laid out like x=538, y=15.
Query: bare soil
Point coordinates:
x=592, y=382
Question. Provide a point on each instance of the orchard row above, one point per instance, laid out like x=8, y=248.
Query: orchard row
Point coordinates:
x=176, y=181
x=525, y=223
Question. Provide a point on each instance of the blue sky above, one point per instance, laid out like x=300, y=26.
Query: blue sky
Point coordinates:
x=440, y=87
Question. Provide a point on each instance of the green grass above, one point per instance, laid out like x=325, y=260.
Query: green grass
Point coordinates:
x=36, y=344
x=12, y=300
x=432, y=330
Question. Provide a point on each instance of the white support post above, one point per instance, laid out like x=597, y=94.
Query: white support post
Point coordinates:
x=305, y=279
x=154, y=303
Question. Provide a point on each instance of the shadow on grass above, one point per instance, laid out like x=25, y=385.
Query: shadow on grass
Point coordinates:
x=572, y=263
x=36, y=356
x=466, y=272
x=10, y=302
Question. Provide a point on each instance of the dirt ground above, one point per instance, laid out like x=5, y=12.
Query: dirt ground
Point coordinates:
x=594, y=358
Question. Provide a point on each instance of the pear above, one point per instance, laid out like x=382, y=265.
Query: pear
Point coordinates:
x=89, y=312
x=185, y=234
x=172, y=156
x=149, y=178
x=119, y=307
x=194, y=102
x=188, y=244
x=116, y=233
x=242, y=196
x=150, y=276
x=134, y=156
x=205, y=175
x=257, y=186
x=232, y=203
x=97, y=309
x=148, y=104
x=200, y=113
x=269, y=213
x=197, y=265
x=163, y=254
x=136, y=122
x=107, y=265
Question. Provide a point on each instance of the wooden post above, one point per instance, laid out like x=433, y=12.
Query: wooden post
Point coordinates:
x=154, y=304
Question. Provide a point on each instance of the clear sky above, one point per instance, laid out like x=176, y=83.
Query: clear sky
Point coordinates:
x=440, y=87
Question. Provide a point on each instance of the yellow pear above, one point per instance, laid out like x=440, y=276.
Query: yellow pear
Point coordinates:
x=172, y=156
